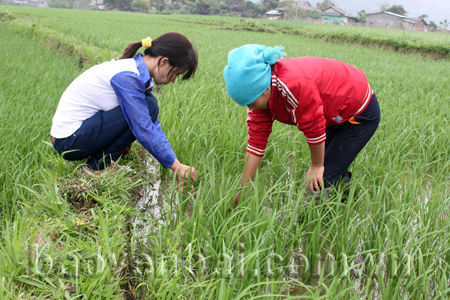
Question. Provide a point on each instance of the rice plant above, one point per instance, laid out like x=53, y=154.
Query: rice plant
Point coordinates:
x=67, y=236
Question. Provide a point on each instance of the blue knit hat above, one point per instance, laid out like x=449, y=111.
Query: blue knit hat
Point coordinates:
x=248, y=73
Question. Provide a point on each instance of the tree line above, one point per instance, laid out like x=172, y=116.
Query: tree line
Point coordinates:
x=242, y=8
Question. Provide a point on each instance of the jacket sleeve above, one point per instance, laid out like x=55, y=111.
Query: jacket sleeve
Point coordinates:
x=259, y=123
x=309, y=113
x=163, y=137
x=131, y=95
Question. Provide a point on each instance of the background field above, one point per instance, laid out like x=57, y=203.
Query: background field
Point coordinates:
x=398, y=207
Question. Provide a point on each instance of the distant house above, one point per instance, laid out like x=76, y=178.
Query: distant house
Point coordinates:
x=97, y=4
x=33, y=3
x=274, y=15
x=281, y=12
x=336, y=15
x=37, y=3
x=390, y=20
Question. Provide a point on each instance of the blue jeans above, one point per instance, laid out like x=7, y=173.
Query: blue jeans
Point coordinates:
x=344, y=142
x=102, y=137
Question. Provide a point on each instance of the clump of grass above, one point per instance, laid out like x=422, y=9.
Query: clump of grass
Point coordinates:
x=6, y=15
x=83, y=191
x=79, y=192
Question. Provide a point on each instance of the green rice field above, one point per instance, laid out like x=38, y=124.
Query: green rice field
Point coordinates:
x=424, y=43
x=65, y=235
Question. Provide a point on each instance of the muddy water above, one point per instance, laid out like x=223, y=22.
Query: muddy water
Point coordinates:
x=298, y=260
x=152, y=206
x=156, y=202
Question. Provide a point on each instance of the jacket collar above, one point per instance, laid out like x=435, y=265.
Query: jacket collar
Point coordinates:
x=143, y=72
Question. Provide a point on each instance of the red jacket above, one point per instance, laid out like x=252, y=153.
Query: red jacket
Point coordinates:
x=310, y=93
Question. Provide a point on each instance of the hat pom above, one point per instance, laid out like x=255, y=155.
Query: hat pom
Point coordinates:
x=273, y=55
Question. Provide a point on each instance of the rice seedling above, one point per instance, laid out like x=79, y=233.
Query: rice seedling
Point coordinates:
x=68, y=236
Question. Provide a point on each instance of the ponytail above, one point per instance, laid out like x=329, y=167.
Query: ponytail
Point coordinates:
x=173, y=45
x=130, y=50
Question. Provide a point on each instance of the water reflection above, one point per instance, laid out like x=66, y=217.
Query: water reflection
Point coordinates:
x=152, y=206
x=156, y=202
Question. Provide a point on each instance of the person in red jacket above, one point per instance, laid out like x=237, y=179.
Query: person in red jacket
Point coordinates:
x=331, y=102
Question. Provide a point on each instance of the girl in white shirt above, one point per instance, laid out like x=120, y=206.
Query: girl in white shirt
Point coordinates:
x=105, y=109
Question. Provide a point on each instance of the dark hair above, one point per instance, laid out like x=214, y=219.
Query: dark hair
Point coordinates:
x=173, y=45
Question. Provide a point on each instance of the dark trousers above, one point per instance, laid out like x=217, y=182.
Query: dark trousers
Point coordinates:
x=344, y=142
x=102, y=137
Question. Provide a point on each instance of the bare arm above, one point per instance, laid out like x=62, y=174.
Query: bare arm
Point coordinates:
x=251, y=165
x=314, y=176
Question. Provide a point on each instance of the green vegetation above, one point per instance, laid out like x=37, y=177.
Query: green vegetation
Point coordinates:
x=396, y=9
x=45, y=206
x=424, y=43
x=54, y=218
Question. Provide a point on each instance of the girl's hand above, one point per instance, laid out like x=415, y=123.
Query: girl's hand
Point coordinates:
x=183, y=174
x=315, y=177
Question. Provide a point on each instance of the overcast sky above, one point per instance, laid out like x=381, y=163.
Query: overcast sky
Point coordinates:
x=437, y=10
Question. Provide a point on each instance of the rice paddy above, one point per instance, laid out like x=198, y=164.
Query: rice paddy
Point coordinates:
x=67, y=236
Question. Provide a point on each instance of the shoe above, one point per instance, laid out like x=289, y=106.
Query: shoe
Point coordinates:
x=94, y=173
x=110, y=169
